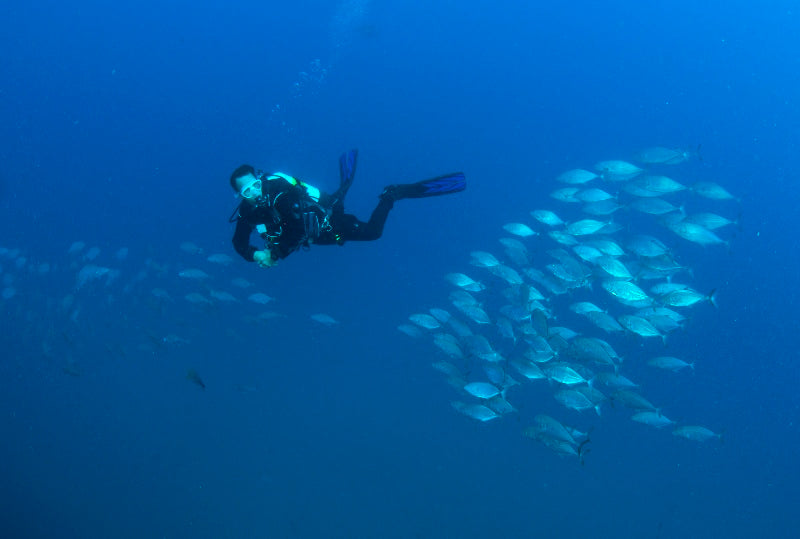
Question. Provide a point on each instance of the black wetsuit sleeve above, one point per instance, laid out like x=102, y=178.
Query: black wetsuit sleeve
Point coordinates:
x=241, y=239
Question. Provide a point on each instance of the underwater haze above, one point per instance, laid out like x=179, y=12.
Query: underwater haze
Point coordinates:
x=155, y=384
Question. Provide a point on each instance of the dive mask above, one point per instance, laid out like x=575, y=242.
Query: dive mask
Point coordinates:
x=251, y=190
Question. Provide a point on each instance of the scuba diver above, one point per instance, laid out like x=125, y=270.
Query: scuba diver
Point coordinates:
x=290, y=214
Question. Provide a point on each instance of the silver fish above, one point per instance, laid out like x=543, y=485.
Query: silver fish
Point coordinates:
x=602, y=208
x=614, y=380
x=425, y=321
x=411, y=331
x=614, y=267
x=712, y=190
x=587, y=252
x=546, y=217
x=615, y=170
x=669, y=363
x=653, y=206
x=607, y=247
x=544, y=424
x=448, y=344
x=593, y=195
x=440, y=314
x=686, y=297
x=475, y=411
x=476, y=314
x=482, y=259
x=654, y=419
x=528, y=369
x=509, y=275
x=563, y=374
x=633, y=400
x=519, y=229
x=482, y=390
x=464, y=282
x=584, y=307
x=221, y=259
x=565, y=194
x=576, y=176
x=625, y=290
x=573, y=399
x=260, y=298
x=604, y=321
x=640, y=326
x=660, y=184
x=711, y=221
x=646, y=246
x=696, y=233
x=659, y=155
x=193, y=273
x=324, y=319
x=584, y=227
x=696, y=433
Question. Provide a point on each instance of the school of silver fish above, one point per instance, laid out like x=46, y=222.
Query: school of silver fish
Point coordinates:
x=610, y=260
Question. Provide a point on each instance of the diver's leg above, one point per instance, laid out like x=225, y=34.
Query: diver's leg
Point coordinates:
x=349, y=228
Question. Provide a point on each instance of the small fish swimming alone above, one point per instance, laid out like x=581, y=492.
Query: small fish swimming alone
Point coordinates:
x=696, y=433
x=193, y=377
x=324, y=319
x=659, y=155
x=712, y=191
x=669, y=363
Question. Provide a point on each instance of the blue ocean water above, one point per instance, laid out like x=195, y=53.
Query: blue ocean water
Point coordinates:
x=121, y=126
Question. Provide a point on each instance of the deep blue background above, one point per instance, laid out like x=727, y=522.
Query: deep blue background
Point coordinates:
x=121, y=124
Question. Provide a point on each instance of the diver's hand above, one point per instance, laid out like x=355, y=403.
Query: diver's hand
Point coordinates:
x=264, y=259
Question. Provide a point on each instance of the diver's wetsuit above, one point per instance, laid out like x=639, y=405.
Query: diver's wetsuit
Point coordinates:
x=293, y=219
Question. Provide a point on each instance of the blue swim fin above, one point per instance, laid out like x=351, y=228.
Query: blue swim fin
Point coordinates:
x=347, y=171
x=441, y=185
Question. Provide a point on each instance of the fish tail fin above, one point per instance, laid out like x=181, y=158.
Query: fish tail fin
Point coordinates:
x=597, y=409
x=691, y=366
x=712, y=298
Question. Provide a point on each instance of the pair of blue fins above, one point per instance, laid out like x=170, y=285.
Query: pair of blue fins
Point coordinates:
x=440, y=185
